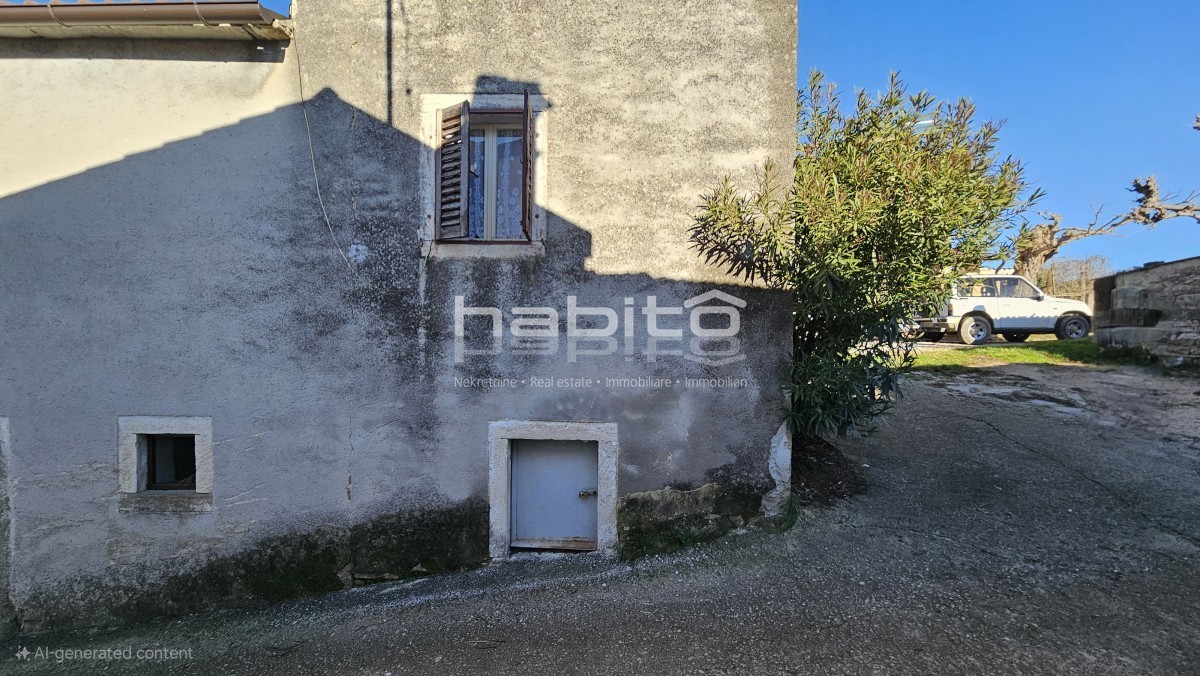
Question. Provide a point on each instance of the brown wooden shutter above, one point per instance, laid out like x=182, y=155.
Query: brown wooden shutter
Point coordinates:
x=453, y=164
x=527, y=170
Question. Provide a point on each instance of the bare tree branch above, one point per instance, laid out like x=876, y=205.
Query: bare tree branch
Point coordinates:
x=1039, y=243
x=1036, y=244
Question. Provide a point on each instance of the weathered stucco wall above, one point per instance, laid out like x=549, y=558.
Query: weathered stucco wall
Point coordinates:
x=1156, y=307
x=165, y=254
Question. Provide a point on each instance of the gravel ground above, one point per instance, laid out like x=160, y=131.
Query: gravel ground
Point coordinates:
x=999, y=535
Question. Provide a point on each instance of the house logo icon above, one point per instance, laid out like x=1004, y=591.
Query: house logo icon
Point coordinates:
x=720, y=345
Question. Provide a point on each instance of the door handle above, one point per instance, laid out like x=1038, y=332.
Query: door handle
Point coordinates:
x=583, y=495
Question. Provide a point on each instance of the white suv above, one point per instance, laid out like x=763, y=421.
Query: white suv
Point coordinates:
x=1009, y=305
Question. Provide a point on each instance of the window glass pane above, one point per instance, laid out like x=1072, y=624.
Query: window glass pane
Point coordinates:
x=977, y=288
x=475, y=181
x=164, y=465
x=1015, y=288
x=173, y=461
x=510, y=149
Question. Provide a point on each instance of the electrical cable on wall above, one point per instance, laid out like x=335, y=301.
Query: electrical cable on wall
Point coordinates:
x=312, y=155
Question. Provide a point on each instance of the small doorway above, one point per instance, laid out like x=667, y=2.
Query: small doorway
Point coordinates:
x=552, y=486
x=553, y=494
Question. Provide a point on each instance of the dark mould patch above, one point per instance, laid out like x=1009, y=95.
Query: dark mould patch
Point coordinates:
x=439, y=539
x=668, y=519
x=741, y=484
x=320, y=322
x=683, y=514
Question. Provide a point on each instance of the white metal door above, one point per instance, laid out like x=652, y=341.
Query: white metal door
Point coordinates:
x=553, y=497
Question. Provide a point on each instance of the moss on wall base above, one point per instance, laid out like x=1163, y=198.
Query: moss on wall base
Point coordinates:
x=437, y=540
x=668, y=519
x=390, y=547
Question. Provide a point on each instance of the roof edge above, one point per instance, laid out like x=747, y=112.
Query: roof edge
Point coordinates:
x=233, y=12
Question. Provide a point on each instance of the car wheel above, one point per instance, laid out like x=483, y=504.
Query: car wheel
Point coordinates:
x=1018, y=337
x=1071, y=327
x=932, y=336
x=975, y=330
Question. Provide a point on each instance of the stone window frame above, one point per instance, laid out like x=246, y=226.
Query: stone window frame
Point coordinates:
x=131, y=452
x=501, y=433
x=481, y=104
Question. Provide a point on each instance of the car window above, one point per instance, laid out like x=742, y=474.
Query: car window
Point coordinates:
x=1014, y=287
x=974, y=287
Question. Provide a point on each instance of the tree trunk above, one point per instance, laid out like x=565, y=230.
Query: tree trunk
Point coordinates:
x=1040, y=244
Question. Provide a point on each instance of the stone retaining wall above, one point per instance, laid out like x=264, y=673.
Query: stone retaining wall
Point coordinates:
x=1156, y=306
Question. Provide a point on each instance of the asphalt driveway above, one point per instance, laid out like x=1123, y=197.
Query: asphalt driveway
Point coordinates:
x=1001, y=534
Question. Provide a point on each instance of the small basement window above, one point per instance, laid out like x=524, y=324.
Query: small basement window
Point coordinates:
x=170, y=462
x=165, y=460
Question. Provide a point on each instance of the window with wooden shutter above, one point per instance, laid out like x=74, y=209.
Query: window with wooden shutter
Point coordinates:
x=452, y=191
x=484, y=176
x=527, y=170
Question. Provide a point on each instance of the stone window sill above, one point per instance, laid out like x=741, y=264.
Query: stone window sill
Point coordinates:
x=165, y=502
x=467, y=250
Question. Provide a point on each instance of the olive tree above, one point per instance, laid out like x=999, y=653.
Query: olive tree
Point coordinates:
x=1033, y=244
x=888, y=203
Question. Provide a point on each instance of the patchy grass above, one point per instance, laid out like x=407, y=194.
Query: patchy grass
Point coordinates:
x=1081, y=351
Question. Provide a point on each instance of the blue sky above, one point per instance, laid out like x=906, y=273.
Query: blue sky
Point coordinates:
x=1094, y=92
x=281, y=6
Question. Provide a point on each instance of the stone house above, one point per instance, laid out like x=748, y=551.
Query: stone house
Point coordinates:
x=299, y=298
x=1155, y=307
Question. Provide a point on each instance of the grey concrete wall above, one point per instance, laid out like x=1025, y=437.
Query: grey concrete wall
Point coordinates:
x=1156, y=307
x=8, y=614
x=165, y=254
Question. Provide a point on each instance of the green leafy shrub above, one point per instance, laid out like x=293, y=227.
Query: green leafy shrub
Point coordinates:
x=887, y=206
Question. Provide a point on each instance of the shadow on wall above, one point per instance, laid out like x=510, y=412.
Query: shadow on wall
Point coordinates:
x=201, y=278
